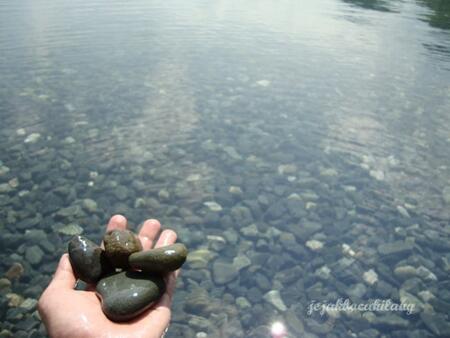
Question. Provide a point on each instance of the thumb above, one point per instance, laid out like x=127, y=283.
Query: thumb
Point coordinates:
x=64, y=277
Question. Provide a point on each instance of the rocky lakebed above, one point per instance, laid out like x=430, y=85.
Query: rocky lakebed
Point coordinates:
x=300, y=151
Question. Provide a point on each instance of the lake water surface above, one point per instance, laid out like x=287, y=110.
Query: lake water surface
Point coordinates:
x=300, y=149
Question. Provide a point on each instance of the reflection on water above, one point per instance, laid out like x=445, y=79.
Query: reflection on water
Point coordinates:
x=378, y=5
x=299, y=149
x=439, y=15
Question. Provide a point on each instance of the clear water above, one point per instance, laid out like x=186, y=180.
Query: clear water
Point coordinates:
x=304, y=120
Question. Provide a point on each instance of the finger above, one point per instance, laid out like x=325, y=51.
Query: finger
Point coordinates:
x=117, y=222
x=167, y=237
x=148, y=233
x=64, y=277
x=156, y=319
x=171, y=280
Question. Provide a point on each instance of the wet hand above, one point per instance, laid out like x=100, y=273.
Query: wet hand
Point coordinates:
x=67, y=312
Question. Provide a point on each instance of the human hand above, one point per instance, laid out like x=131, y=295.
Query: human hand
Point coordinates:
x=68, y=313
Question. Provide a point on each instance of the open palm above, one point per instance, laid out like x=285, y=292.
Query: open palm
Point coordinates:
x=72, y=313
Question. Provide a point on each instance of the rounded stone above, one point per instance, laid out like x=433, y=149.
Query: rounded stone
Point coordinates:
x=127, y=294
x=88, y=259
x=119, y=245
x=160, y=260
x=224, y=272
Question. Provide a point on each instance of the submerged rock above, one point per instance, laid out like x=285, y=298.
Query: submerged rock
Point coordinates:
x=70, y=230
x=263, y=83
x=88, y=259
x=370, y=277
x=200, y=258
x=119, y=245
x=89, y=205
x=436, y=323
x=273, y=297
x=32, y=138
x=314, y=245
x=395, y=248
x=224, y=272
x=34, y=255
x=160, y=260
x=213, y=206
x=15, y=271
x=127, y=294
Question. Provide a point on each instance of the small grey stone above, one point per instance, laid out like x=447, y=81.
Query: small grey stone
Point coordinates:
x=243, y=303
x=5, y=284
x=35, y=236
x=164, y=195
x=295, y=323
x=6, y=334
x=411, y=302
x=377, y=174
x=273, y=297
x=69, y=140
x=436, y=323
x=357, y=290
x=70, y=230
x=213, y=206
x=32, y=138
x=287, y=169
x=263, y=83
x=89, y=205
x=328, y=172
x=323, y=272
x=403, y=211
x=230, y=151
x=426, y=274
x=224, y=272
x=29, y=304
x=29, y=223
x=287, y=237
x=5, y=188
x=241, y=261
x=199, y=323
x=121, y=193
x=216, y=243
x=395, y=248
x=250, y=231
x=234, y=190
x=200, y=258
x=241, y=215
x=34, y=255
x=304, y=230
x=72, y=211
x=370, y=277
x=405, y=271
x=231, y=236
x=3, y=170
x=262, y=282
x=314, y=245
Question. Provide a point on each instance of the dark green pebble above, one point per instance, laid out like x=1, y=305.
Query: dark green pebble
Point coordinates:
x=161, y=260
x=119, y=244
x=127, y=294
x=88, y=259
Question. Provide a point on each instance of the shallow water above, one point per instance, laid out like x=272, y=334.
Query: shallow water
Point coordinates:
x=320, y=129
